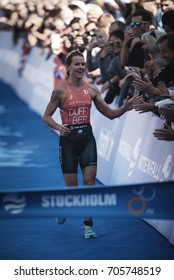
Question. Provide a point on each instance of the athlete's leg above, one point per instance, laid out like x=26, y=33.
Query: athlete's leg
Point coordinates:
x=69, y=161
x=70, y=179
x=89, y=175
x=88, y=161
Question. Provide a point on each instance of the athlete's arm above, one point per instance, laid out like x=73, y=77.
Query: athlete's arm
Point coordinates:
x=53, y=104
x=104, y=108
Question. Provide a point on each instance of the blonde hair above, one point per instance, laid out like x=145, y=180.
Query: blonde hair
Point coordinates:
x=105, y=20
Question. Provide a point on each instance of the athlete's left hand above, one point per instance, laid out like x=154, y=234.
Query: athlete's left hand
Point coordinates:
x=64, y=130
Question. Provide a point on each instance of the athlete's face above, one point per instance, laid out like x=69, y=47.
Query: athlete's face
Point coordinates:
x=77, y=67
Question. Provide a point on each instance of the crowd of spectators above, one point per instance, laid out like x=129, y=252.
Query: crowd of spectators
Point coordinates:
x=123, y=41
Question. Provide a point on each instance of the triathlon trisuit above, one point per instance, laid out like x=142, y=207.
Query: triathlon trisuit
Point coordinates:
x=79, y=145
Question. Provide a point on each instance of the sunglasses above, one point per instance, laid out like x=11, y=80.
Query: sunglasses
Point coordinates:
x=137, y=24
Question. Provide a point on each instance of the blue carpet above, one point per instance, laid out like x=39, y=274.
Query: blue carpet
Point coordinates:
x=29, y=160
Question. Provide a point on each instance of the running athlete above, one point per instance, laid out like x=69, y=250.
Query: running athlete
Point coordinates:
x=74, y=98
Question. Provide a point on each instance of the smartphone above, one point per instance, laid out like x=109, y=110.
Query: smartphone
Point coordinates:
x=94, y=39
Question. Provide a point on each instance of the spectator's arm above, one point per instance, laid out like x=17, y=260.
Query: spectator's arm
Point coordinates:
x=166, y=133
x=124, y=55
x=144, y=107
x=145, y=86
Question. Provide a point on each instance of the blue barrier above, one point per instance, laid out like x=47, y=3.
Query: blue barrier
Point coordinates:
x=154, y=200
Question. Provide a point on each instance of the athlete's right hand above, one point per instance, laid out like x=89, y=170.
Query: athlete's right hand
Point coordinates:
x=64, y=130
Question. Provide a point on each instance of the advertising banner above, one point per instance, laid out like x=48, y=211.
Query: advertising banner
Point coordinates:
x=156, y=160
x=107, y=134
x=153, y=200
x=132, y=140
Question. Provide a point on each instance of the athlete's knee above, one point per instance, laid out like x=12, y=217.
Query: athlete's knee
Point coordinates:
x=89, y=175
x=89, y=180
x=70, y=180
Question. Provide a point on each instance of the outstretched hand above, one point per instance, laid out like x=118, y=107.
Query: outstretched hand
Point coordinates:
x=144, y=107
x=145, y=86
x=167, y=113
x=151, y=67
x=166, y=133
x=164, y=90
x=131, y=102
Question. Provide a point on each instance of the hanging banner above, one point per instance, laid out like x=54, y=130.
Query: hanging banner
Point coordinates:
x=153, y=200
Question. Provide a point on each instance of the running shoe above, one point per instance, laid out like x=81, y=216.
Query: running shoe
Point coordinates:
x=88, y=232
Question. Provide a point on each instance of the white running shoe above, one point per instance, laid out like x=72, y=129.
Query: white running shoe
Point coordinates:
x=88, y=232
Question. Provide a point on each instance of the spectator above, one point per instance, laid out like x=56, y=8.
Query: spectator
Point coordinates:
x=152, y=67
x=131, y=7
x=66, y=14
x=162, y=7
x=155, y=87
x=79, y=9
x=132, y=53
x=166, y=46
x=117, y=25
x=90, y=28
x=166, y=5
x=78, y=32
x=93, y=60
x=157, y=16
x=94, y=11
x=168, y=21
x=115, y=8
x=104, y=22
x=114, y=72
x=150, y=47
